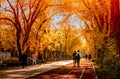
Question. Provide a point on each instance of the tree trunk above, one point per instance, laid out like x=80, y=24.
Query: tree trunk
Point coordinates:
x=115, y=22
x=18, y=42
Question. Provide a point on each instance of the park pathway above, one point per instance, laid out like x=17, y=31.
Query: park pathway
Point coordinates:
x=55, y=70
x=84, y=71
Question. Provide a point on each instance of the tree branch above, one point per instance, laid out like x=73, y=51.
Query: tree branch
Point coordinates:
x=10, y=21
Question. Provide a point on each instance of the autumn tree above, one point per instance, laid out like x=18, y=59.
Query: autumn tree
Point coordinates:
x=105, y=22
x=7, y=37
x=23, y=15
x=95, y=15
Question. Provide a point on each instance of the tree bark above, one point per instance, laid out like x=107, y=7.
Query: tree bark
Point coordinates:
x=18, y=42
x=115, y=23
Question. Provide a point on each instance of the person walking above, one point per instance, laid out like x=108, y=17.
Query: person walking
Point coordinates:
x=78, y=58
x=34, y=59
x=23, y=59
x=40, y=57
x=74, y=58
x=89, y=57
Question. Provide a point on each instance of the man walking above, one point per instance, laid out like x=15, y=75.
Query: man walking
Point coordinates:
x=74, y=58
x=78, y=58
x=23, y=59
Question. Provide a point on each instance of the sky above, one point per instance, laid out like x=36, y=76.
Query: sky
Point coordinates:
x=74, y=21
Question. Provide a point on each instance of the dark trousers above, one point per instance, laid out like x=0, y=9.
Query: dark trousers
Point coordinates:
x=24, y=64
x=78, y=62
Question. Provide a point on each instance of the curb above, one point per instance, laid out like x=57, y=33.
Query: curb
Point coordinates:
x=95, y=72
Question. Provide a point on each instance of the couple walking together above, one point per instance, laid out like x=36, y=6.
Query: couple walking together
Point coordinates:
x=76, y=58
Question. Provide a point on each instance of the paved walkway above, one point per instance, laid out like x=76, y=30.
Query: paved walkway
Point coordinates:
x=19, y=73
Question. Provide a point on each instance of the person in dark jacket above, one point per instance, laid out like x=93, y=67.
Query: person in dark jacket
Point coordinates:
x=40, y=58
x=89, y=57
x=23, y=59
x=74, y=58
x=78, y=58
